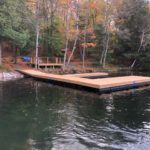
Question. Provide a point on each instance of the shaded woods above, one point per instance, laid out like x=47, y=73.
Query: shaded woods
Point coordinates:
x=103, y=32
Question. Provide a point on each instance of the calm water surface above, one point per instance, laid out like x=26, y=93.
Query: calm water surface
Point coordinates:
x=41, y=116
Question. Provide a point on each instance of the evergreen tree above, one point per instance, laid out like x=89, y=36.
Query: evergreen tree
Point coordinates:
x=132, y=25
x=13, y=25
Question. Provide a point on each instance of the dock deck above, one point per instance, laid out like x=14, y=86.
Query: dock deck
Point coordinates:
x=101, y=85
x=84, y=75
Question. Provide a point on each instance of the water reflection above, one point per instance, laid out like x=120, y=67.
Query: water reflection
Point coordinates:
x=39, y=116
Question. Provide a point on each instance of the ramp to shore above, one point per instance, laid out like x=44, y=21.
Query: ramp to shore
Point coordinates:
x=101, y=85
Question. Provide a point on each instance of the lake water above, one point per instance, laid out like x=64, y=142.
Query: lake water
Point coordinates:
x=41, y=116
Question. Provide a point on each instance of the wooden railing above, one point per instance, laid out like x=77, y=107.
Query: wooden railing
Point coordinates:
x=46, y=60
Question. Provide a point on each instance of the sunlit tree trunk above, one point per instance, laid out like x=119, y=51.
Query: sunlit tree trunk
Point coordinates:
x=107, y=35
x=84, y=48
x=37, y=34
x=77, y=33
x=106, y=50
x=85, y=34
x=139, y=49
x=75, y=44
x=67, y=37
x=37, y=46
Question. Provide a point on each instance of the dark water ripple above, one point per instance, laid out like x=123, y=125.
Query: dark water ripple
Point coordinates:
x=40, y=116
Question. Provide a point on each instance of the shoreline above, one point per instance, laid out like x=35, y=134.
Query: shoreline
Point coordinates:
x=10, y=75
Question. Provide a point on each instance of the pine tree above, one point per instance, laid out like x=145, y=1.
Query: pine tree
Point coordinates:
x=132, y=27
x=13, y=27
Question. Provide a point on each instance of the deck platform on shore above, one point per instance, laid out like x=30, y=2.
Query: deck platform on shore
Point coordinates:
x=101, y=85
x=46, y=62
x=44, y=65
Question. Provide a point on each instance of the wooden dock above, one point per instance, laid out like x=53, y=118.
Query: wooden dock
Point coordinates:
x=101, y=85
x=86, y=75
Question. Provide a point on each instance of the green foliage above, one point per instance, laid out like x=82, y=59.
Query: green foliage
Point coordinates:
x=132, y=20
x=13, y=25
x=52, y=41
x=18, y=26
x=143, y=61
x=100, y=35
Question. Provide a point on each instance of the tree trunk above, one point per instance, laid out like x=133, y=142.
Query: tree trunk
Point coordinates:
x=15, y=53
x=77, y=33
x=102, y=57
x=67, y=38
x=66, y=51
x=107, y=38
x=73, y=50
x=139, y=49
x=75, y=44
x=106, y=50
x=37, y=46
x=85, y=34
x=84, y=48
x=37, y=34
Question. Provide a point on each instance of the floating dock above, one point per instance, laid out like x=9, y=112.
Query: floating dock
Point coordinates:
x=88, y=75
x=100, y=85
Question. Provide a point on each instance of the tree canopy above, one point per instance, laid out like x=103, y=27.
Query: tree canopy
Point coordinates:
x=13, y=22
x=107, y=31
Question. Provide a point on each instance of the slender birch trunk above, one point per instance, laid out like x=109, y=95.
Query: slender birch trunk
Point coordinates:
x=106, y=50
x=67, y=39
x=77, y=32
x=102, y=57
x=37, y=35
x=85, y=36
x=107, y=38
x=84, y=48
x=66, y=51
x=74, y=47
x=37, y=46
x=75, y=43
x=139, y=49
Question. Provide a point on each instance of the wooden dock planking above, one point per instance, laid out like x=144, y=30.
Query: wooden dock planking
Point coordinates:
x=88, y=74
x=100, y=84
x=61, y=78
x=121, y=81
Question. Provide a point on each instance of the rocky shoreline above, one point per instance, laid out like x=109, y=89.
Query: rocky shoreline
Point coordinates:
x=7, y=76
